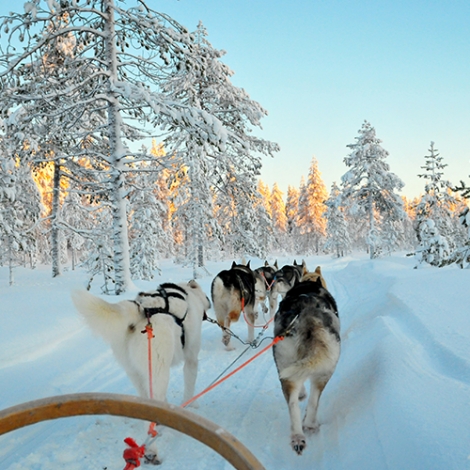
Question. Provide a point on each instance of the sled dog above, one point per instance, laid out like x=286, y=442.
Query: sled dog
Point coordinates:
x=267, y=273
x=308, y=320
x=175, y=312
x=233, y=291
x=284, y=279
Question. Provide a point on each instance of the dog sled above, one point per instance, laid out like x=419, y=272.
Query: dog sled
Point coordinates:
x=201, y=429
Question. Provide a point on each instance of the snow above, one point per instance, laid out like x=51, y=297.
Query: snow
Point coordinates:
x=399, y=398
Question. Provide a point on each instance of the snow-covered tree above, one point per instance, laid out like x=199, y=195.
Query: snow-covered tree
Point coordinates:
x=209, y=89
x=435, y=214
x=369, y=186
x=77, y=224
x=311, y=220
x=461, y=255
x=115, y=71
x=437, y=202
x=20, y=208
x=278, y=217
x=292, y=213
x=433, y=247
x=265, y=193
x=240, y=211
x=338, y=241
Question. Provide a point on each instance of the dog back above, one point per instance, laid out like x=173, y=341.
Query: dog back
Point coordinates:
x=308, y=319
x=239, y=278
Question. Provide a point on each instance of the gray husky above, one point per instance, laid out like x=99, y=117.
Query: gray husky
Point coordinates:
x=308, y=320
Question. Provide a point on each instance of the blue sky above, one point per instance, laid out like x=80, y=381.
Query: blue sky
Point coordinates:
x=321, y=67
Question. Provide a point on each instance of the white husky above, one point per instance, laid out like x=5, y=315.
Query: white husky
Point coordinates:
x=175, y=311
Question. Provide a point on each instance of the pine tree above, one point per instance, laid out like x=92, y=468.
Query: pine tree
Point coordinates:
x=433, y=213
x=278, y=217
x=312, y=207
x=369, y=187
x=292, y=214
x=337, y=235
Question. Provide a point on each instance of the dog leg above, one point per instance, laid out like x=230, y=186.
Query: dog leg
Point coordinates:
x=226, y=336
x=291, y=392
x=310, y=424
x=251, y=322
x=272, y=304
x=190, y=376
x=151, y=455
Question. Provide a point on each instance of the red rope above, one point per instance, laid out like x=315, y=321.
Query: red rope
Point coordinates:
x=134, y=453
x=267, y=283
x=208, y=389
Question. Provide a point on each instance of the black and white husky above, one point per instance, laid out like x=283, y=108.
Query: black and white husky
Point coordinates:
x=233, y=291
x=267, y=273
x=308, y=320
x=284, y=279
x=175, y=312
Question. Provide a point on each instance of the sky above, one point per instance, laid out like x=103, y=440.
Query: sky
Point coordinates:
x=320, y=68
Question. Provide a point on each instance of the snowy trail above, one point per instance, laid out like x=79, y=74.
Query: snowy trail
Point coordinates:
x=399, y=398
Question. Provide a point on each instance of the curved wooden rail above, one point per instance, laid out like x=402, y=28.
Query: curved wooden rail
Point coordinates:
x=124, y=405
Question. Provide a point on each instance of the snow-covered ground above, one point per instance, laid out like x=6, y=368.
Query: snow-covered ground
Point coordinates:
x=399, y=399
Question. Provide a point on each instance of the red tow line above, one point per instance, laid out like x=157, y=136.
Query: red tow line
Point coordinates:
x=134, y=452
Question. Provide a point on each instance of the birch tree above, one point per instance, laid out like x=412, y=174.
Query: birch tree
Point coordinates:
x=110, y=95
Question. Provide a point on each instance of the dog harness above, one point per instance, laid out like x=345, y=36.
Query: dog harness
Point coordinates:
x=165, y=295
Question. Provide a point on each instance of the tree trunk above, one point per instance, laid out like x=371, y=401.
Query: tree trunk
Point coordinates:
x=55, y=235
x=371, y=225
x=117, y=195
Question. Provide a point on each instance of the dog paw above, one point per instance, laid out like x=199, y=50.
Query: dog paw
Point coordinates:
x=152, y=458
x=226, y=340
x=298, y=443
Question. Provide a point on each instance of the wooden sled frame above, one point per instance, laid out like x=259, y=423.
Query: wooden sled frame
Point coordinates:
x=171, y=416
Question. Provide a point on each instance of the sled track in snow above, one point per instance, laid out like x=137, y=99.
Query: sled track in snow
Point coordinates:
x=402, y=322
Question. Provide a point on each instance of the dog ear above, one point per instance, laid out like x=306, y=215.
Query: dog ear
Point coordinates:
x=233, y=264
x=318, y=270
x=266, y=263
x=193, y=284
x=304, y=270
x=248, y=264
x=295, y=263
x=275, y=264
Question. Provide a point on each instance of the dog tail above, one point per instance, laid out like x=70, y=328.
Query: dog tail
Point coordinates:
x=104, y=318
